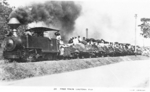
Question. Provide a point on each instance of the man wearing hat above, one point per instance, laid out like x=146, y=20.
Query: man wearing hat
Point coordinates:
x=58, y=36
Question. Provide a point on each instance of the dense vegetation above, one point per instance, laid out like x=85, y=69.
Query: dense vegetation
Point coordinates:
x=5, y=10
x=145, y=27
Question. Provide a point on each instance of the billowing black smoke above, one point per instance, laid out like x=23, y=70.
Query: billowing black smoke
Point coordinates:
x=59, y=14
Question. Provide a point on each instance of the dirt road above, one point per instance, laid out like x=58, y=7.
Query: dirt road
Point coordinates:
x=123, y=74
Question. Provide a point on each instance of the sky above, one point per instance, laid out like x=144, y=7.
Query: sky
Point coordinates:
x=111, y=20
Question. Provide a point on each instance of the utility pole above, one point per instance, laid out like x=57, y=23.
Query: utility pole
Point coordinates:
x=135, y=32
x=143, y=41
x=86, y=33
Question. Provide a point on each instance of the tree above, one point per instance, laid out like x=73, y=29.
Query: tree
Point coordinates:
x=5, y=10
x=145, y=27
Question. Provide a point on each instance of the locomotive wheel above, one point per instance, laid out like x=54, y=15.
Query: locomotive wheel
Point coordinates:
x=31, y=58
x=10, y=60
x=97, y=56
x=90, y=56
x=103, y=55
x=78, y=57
x=14, y=60
x=28, y=56
x=82, y=57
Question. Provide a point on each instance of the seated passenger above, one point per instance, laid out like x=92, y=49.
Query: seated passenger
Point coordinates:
x=46, y=34
x=96, y=43
x=58, y=37
x=61, y=42
x=88, y=43
x=71, y=40
x=41, y=34
x=75, y=41
x=83, y=38
x=91, y=42
x=80, y=39
x=62, y=50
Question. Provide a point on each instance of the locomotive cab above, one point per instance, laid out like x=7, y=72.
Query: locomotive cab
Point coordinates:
x=40, y=39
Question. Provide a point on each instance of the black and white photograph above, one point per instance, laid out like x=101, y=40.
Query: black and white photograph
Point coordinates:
x=75, y=45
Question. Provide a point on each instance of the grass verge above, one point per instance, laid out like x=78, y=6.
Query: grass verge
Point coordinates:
x=15, y=71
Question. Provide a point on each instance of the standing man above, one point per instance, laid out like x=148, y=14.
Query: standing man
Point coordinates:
x=58, y=36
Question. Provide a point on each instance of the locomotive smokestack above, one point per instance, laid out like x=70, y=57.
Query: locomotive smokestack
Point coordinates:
x=86, y=32
x=14, y=24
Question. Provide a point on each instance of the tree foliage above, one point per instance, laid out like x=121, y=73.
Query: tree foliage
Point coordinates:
x=145, y=27
x=5, y=10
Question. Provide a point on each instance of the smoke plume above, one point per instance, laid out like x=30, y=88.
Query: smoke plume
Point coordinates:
x=111, y=21
x=59, y=14
x=108, y=20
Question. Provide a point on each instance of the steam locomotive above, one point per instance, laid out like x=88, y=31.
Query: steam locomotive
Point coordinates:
x=27, y=47
x=37, y=47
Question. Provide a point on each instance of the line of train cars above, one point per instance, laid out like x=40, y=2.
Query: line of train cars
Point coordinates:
x=29, y=48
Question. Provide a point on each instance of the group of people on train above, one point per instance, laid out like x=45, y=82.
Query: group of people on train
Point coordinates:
x=92, y=43
x=110, y=47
